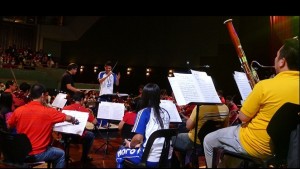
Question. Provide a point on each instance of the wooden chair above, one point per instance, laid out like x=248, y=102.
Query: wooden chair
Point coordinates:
x=284, y=121
x=163, y=160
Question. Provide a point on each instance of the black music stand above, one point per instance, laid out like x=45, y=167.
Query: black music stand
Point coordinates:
x=106, y=143
x=195, y=161
x=108, y=114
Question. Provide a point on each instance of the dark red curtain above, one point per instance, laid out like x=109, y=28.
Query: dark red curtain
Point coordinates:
x=282, y=27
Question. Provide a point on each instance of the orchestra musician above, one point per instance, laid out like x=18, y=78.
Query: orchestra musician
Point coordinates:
x=251, y=137
x=107, y=79
x=149, y=119
x=23, y=93
x=2, y=87
x=67, y=82
x=87, y=137
x=37, y=121
x=137, y=99
x=11, y=87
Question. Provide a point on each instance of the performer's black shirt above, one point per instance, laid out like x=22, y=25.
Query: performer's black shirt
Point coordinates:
x=66, y=79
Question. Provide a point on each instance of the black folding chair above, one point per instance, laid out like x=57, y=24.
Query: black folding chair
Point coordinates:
x=15, y=149
x=284, y=121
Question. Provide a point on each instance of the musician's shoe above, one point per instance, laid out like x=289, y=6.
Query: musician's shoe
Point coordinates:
x=86, y=159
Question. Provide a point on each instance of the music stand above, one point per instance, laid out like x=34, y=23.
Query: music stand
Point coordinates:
x=195, y=161
x=109, y=111
x=106, y=143
x=68, y=130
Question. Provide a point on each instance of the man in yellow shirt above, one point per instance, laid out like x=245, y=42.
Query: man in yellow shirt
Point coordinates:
x=266, y=98
x=184, y=142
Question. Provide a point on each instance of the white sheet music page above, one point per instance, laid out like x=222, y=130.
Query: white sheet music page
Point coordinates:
x=60, y=100
x=67, y=127
x=177, y=92
x=242, y=83
x=111, y=111
x=188, y=87
x=172, y=110
x=207, y=87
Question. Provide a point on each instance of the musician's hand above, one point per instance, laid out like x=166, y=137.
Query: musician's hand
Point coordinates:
x=138, y=145
x=109, y=73
x=74, y=121
x=126, y=143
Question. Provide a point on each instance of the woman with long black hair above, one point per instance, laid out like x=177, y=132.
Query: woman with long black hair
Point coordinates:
x=150, y=118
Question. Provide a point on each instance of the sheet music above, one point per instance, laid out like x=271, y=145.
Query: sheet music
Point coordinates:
x=111, y=111
x=67, y=127
x=188, y=87
x=177, y=92
x=196, y=87
x=172, y=110
x=60, y=100
x=242, y=83
x=208, y=90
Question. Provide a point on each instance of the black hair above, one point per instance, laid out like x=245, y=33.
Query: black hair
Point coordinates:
x=141, y=86
x=25, y=86
x=230, y=98
x=72, y=66
x=37, y=90
x=220, y=92
x=108, y=63
x=151, y=98
x=9, y=83
x=6, y=101
x=290, y=51
x=78, y=96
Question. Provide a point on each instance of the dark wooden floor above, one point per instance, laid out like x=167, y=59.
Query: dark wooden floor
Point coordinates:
x=100, y=158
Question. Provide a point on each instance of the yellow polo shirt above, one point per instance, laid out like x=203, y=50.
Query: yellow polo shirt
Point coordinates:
x=261, y=104
x=207, y=112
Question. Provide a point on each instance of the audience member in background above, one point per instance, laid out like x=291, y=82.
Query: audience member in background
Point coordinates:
x=251, y=137
x=87, y=137
x=37, y=121
x=151, y=118
x=11, y=87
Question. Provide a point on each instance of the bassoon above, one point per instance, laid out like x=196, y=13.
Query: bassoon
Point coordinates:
x=251, y=75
